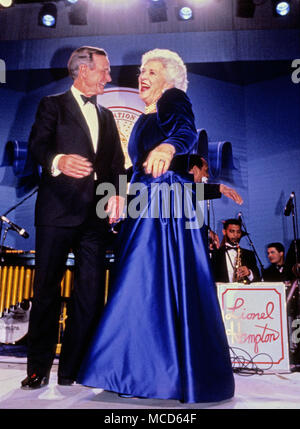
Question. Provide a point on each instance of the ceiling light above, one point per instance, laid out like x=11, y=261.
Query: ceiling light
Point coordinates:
x=6, y=3
x=48, y=15
x=185, y=13
x=281, y=8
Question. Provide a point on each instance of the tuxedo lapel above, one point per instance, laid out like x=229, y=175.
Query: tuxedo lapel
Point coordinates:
x=73, y=109
x=223, y=264
x=101, y=127
x=219, y=265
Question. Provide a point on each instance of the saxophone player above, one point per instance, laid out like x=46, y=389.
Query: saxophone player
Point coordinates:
x=231, y=262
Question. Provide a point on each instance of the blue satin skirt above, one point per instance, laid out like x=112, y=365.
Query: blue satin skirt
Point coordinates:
x=162, y=333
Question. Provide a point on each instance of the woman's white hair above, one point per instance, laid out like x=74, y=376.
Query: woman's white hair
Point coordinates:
x=175, y=68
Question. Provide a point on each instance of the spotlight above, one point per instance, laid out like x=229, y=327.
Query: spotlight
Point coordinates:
x=48, y=15
x=78, y=13
x=157, y=11
x=245, y=8
x=6, y=3
x=72, y=1
x=281, y=8
x=185, y=13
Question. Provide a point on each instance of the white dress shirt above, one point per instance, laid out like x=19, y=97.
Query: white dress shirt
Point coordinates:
x=231, y=255
x=89, y=111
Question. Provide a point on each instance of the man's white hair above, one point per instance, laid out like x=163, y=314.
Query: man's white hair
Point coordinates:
x=175, y=68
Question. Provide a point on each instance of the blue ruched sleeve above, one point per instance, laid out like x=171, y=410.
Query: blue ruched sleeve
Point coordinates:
x=176, y=120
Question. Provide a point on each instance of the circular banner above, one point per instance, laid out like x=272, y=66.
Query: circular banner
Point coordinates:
x=126, y=106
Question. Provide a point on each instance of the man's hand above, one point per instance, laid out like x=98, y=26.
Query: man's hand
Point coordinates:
x=214, y=242
x=74, y=165
x=243, y=271
x=159, y=160
x=115, y=207
x=231, y=193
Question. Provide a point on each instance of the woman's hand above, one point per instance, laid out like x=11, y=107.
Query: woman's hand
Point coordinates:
x=159, y=159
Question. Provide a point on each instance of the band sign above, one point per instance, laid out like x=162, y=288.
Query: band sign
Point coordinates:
x=256, y=323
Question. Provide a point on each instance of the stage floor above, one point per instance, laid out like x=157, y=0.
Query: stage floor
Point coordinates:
x=268, y=391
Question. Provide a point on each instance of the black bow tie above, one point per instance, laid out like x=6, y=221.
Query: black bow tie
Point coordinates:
x=231, y=248
x=92, y=99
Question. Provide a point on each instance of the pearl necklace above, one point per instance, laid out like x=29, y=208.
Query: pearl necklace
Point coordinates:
x=151, y=108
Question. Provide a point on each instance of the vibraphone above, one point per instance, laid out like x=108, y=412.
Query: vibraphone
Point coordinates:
x=17, y=269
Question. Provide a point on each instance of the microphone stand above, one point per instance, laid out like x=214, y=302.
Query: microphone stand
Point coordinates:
x=208, y=222
x=295, y=232
x=251, y=244
x=293, y=312
x=6, y=213
x=2, y=241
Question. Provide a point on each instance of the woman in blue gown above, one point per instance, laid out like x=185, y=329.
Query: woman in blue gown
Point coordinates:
x=161, y=334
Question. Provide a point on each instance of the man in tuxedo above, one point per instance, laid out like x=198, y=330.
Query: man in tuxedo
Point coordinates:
x=198, y=167
x=278, y=270
x=224, y=258
x=77, y=144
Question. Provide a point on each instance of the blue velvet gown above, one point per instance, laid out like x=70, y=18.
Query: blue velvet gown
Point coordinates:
x=161, y=334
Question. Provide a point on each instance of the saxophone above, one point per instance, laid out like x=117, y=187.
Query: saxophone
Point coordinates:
x=238, y=264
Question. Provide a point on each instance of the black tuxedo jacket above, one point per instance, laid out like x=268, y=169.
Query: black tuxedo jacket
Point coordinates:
x=220, y=267
x=60, y=128
x=272, y=274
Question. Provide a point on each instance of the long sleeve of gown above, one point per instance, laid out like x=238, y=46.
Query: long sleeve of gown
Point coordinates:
x=176, y=120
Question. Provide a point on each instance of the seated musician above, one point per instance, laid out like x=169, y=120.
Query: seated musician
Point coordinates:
x=197, y=166
x=277, y=270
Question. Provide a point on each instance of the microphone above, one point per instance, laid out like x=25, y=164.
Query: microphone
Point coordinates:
x=239, y=217
x=289, y=205
x=15, y=227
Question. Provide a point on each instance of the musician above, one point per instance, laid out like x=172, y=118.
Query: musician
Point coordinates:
x=224, y=258
x=278, y=270
x=77, y=144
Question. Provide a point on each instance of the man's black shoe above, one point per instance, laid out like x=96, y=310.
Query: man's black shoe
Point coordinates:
x=64, y=381
x=34, y=381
